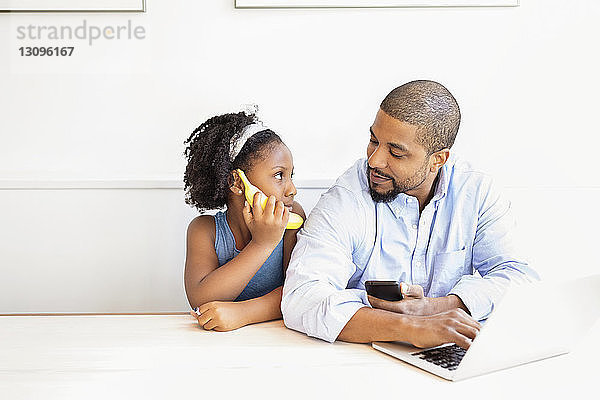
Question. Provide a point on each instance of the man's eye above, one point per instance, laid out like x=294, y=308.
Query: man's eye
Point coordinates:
x=373, y=141
x=279, y=175
x=397, y=155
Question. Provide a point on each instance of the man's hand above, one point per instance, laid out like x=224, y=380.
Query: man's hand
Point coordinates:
x=221, y=316
x=454, y=326
x=415, y=303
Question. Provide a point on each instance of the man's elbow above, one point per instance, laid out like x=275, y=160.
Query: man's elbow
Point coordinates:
x=291, y=317
x=527, y=273
x=533, y=274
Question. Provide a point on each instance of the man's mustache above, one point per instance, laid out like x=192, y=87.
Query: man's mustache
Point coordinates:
x=378, y=172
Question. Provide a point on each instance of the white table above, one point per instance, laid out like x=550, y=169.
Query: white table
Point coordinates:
x=170, y=357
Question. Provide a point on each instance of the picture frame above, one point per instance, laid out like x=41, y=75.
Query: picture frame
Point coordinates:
x=372, y=3
x=72, y=5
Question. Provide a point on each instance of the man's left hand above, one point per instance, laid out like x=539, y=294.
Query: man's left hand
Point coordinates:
x=415, y=302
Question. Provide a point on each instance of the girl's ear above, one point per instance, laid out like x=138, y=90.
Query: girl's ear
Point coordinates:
x=235, y=183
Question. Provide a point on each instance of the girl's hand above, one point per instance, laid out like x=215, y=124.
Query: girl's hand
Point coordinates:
x=266, y=226
x=220, y=316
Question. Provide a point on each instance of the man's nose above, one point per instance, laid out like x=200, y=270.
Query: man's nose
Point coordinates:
x=377, y=159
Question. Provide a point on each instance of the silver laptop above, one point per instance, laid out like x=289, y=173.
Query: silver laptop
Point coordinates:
x=532, y=322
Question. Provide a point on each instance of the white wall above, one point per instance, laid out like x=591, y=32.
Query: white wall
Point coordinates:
x=525, y=77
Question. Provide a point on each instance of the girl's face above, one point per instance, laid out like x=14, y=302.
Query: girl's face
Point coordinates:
x=273, y=175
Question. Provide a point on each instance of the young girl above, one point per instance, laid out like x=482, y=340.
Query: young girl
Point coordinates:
x=236, y=260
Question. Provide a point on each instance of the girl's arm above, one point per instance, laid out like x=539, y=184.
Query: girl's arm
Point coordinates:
x=225, y=316
x=289, y=238
x=205, y=281
x=268, y=307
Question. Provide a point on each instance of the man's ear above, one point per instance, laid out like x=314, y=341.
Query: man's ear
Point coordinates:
x=439, y=159
x=235, y=183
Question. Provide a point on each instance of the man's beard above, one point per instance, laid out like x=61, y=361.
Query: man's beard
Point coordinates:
x=407, y=185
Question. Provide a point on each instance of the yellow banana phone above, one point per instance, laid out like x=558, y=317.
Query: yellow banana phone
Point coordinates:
x=295, y=220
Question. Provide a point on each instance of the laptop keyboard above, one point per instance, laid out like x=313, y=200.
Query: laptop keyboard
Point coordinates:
x=446, y=357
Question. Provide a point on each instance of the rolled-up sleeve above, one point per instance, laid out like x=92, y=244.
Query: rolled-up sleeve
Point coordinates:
x=495, y=256
x=315, y=299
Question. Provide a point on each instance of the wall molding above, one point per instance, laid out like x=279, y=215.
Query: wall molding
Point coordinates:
x=87, y=184
x=177, y=184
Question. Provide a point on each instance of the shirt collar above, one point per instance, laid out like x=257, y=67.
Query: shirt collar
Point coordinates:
x=441, y=186
x=397, y=205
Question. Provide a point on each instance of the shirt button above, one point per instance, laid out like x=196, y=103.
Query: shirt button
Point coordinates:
x=418, y=263
x=409, y=200
x=415, y=226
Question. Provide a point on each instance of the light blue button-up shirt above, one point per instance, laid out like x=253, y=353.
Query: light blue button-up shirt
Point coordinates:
x=460, y=244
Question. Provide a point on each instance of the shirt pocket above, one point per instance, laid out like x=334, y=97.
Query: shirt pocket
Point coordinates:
x=448, y=268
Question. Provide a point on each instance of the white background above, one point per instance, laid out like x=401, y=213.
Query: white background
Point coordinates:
x=71, y=5
x=525, y=78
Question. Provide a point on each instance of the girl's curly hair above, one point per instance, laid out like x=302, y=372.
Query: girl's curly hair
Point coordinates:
x=207, y=175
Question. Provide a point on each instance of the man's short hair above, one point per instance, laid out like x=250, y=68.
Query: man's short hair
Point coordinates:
x=429, y=106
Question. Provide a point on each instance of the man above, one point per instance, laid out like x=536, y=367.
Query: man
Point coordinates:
x=411, y=213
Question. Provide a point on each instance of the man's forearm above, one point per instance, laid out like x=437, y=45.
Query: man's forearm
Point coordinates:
x=447, y=303
x=420, y=306
x=369, y=325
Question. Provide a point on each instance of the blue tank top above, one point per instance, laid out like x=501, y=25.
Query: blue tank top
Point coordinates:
x=267, y=278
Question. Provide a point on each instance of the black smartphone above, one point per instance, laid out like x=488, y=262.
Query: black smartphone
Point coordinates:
x=384, y=290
